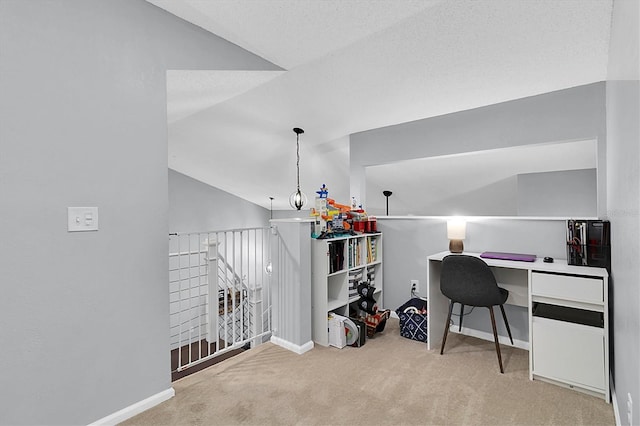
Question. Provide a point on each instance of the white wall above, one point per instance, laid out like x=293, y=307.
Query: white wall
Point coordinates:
x=623, y=202
x=84, y=316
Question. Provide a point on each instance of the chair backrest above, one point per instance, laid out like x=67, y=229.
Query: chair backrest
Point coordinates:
x=468, y=280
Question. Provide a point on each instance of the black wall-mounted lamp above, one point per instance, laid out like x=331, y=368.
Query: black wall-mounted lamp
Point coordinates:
x=387, y=194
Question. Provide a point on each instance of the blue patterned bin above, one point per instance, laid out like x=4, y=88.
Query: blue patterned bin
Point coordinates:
x=413, y=319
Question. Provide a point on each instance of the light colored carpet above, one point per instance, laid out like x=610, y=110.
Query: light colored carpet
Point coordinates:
x=389, y=381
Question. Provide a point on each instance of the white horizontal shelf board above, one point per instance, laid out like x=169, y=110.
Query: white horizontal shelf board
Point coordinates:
x=335, y=304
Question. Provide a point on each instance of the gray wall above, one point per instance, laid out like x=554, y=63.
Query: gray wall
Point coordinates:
x=291, y=297
x=197, y=207
x=499, y=198
x=577, y=113
x=84, y=316
x=569, y=193
x=623, y=202
x=572, y=114
x=409, y=241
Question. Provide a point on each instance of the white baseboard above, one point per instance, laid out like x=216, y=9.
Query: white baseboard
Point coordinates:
x=137, y=408
x=614, y=401
x=504, y=340
x=292, y=347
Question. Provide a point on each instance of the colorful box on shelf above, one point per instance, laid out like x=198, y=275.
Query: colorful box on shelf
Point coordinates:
x=369, y=225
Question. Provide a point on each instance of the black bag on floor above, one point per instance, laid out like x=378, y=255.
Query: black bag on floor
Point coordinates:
x=413, y=319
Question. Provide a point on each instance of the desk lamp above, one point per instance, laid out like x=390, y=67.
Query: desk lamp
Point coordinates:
x=456, y=229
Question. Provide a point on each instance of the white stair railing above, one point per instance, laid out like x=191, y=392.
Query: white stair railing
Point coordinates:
x=219, y=293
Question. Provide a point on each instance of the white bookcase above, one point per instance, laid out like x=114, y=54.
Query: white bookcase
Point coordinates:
x=338, y=265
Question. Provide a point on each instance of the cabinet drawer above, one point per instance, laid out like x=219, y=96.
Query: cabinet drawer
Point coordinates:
x=567, y=287
x=567, y=352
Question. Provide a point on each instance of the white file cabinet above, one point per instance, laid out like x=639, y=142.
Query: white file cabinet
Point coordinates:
x=569, y=338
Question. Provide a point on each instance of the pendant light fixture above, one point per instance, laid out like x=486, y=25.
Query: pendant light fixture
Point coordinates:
x=269, y=268
x=297, y=200
x=270, y=207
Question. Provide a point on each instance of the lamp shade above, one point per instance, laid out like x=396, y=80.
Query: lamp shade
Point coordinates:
x=456, y=229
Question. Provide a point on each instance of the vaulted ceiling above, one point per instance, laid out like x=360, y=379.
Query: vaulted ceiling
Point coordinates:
x=354, y=65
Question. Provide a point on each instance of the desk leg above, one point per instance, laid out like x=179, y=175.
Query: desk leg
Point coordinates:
x=437, y=305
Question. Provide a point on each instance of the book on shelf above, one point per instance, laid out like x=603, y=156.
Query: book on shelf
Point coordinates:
x=371, y=250
x=336, y=256
x=354, y=253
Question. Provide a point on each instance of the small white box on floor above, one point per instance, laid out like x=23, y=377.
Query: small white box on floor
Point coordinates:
x=337, y=336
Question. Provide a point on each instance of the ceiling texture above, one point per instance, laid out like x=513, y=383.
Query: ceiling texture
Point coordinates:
x=355, y=65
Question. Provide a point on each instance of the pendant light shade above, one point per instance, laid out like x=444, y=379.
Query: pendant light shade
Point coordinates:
x=297, y=200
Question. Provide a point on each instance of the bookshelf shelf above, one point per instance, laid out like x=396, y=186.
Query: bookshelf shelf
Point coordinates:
x=338, y=265
x=333, y=304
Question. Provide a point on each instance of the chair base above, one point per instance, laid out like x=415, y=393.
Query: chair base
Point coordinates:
x=495, y=338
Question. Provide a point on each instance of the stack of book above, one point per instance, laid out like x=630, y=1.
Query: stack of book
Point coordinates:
x=355, y=278
x=336, y=256
x=354, y=253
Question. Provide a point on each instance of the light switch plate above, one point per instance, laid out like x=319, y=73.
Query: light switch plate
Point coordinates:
x=82, y=219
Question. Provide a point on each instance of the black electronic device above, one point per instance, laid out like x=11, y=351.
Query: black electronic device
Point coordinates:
x=588, y=243
x=548, y=259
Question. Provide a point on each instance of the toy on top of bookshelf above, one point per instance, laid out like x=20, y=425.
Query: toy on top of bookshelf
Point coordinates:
x=333, y=219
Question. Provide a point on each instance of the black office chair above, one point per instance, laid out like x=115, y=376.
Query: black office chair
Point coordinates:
x=469, y=281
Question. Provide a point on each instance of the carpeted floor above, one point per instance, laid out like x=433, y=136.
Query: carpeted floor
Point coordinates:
x=389, y=381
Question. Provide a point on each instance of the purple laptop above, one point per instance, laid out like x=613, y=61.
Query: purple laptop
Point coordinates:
x=509, y=256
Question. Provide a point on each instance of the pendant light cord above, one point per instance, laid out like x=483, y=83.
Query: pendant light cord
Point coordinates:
x=298, y=158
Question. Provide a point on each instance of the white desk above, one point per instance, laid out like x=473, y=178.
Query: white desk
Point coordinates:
x=550, y=341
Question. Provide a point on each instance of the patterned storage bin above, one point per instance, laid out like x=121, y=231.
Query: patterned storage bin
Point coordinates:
x=413, y=319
